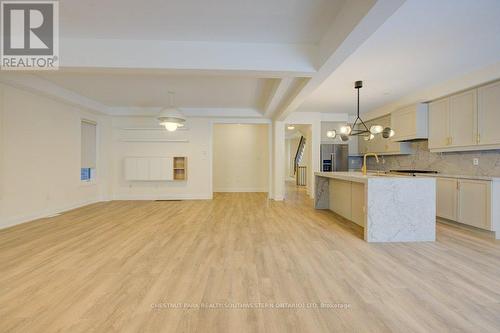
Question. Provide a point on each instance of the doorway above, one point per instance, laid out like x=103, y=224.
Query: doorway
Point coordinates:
x=241, y=160
x=298, y=159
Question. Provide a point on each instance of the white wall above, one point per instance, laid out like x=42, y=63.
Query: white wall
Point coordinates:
x=40, y=157
x=197, y=150
x=241, y=158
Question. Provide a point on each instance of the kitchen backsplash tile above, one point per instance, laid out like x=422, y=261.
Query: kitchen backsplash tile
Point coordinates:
x=459, y=163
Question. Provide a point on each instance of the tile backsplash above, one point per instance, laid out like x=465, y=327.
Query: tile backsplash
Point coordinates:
x=457, y=163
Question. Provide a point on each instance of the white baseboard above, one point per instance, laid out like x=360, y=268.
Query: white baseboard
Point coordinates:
x=242, y=189
x=150, y=197
x=12, y=221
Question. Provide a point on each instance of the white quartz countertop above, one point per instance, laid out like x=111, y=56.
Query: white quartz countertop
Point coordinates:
x=354, y=176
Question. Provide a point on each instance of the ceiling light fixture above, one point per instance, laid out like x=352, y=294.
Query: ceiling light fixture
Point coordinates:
x=359, y=128
x=170, y=117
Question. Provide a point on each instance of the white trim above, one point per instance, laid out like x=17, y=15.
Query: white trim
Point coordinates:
x=242, y=189
x=155, y=140
x=20, y=219
x=152, y=197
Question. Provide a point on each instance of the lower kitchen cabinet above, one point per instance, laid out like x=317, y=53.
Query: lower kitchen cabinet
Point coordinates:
x=358, y=203
x=446, y=205
x=340, y=197
x=465, y=201
x=347, y=199
x=474, y=203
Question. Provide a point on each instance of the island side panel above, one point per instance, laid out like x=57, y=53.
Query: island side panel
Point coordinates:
x=401, y=210
x=322, y=197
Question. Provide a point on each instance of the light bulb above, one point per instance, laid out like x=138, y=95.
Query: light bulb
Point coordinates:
x=376, y=129
x=171, y=127
x=346, y=130
x=291, y=127
x=331, y=134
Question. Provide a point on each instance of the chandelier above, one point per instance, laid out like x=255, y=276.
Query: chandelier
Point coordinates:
x=359, y=128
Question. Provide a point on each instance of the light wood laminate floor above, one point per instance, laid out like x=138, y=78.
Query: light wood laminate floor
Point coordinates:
x=124, y=266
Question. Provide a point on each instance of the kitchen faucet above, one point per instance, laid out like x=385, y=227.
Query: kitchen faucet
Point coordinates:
x=363, y=168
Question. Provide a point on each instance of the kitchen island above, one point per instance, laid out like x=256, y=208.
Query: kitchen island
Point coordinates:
x=389, y=208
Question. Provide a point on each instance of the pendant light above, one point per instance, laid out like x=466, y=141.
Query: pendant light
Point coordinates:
x=359, y=128
x=170, y=117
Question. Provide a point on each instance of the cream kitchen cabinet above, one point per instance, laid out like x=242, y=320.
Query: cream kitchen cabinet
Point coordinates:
x=463, y=119
x=358, y=203
x=347, y=199
x=466, y=201
x=453, y=121
x=382, y=146
x=340, y=197
x=446, y=196
x=466, y=121
x=439, y=123
x=410, y=123
x=489, y=114
x=474, y=203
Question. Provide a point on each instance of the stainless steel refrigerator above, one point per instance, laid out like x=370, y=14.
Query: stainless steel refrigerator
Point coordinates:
x=334, y=157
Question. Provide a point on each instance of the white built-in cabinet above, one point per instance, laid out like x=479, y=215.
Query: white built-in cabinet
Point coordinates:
x=464, y=200
x=152, y=168
x=466, y=121
x=382, y=146
x=347, y=199
x=410, y=123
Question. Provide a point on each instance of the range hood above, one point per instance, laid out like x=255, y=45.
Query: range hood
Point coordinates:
x=411, y=123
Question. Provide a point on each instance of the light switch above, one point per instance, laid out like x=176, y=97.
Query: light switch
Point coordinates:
x=475, y=161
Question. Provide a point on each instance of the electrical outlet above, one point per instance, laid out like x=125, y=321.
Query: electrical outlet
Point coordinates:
x=475, y=161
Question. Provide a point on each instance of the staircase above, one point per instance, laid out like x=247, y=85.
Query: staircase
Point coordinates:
x=300, y=171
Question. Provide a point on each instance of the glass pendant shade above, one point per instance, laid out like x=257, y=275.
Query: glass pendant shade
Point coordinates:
x=376, y=129
x=331, y=134
x=346, y=130
x=169, y=126
x=388, y=133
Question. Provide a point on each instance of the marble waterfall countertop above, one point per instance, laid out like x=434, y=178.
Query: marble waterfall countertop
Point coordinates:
x=396, y=208
x=357, y=176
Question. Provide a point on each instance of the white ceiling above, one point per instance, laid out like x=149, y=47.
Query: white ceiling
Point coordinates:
x=267, y=21
x=424, y=43
x=130, y=89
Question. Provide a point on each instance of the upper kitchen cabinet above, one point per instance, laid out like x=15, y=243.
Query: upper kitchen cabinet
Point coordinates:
x=382, y=146
x=439, y=123
x=410, y=123
x=463, y=119
x=452, y=121
x=466, y=121
x=489, y=114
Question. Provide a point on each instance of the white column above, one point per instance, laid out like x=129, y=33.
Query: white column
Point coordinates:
x=315, y=153
x=278, y=160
